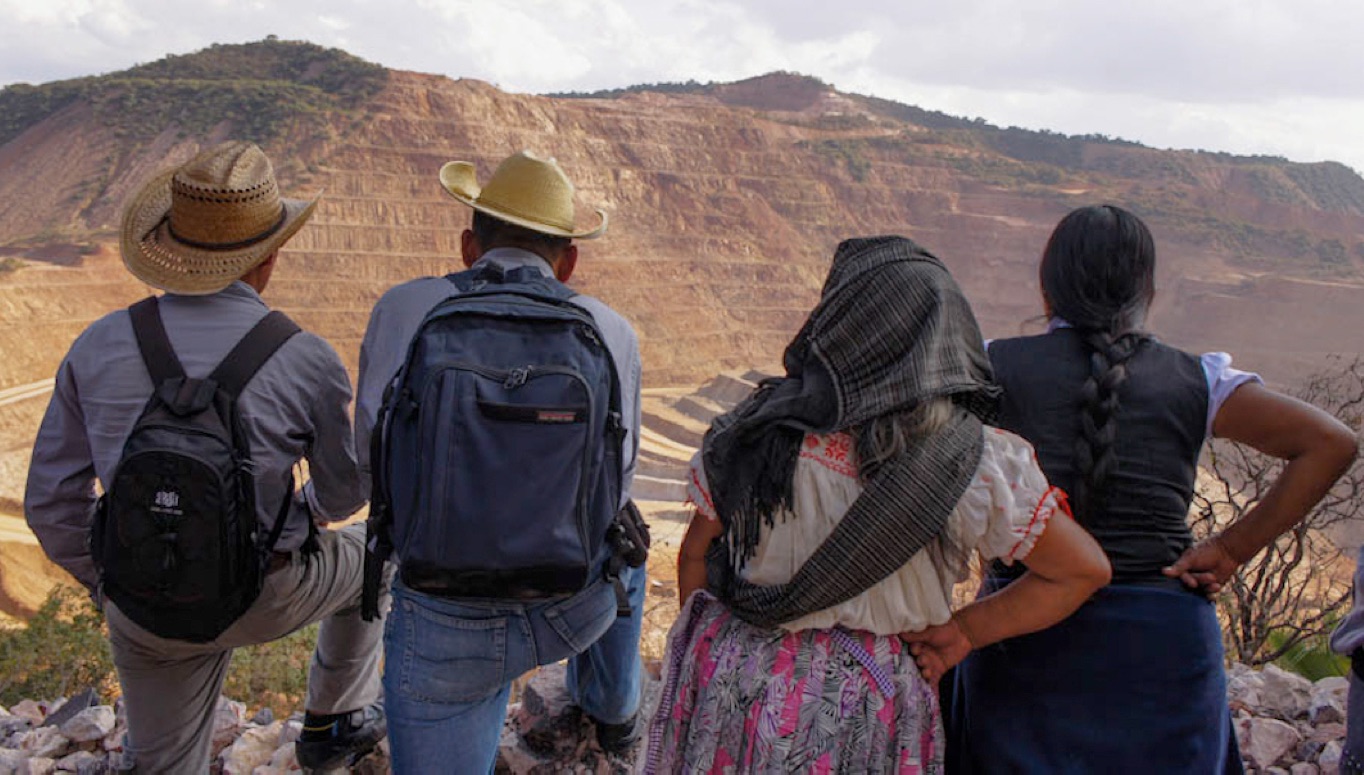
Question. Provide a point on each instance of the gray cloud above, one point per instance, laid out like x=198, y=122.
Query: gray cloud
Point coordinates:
x=1275, y=77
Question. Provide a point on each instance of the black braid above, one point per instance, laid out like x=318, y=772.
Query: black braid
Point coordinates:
x=1095, y=459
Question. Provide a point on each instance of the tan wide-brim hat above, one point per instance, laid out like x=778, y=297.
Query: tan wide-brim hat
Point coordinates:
x=196, y=229
x=525, y=190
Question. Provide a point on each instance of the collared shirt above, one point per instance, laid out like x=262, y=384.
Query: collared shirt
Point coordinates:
x=401, y=310
x=295, y=407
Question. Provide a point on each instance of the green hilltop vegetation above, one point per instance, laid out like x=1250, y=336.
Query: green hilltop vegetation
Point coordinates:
x=262, y=87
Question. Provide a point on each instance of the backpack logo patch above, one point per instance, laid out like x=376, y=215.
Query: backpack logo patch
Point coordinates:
x=167, y=502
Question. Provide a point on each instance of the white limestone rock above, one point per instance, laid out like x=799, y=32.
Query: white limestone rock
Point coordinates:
x=41, y=765
x=12, y=730
x=1265, y=740
x=291, y=731
x=1304, y=768
x=1329, y=699
x=45, y=741
x=1244, y=686
x=12, y=762
x=81, y=762
x=1286, y=695
x=1329, y=759
x=228, y=720
x=90, y=724
x=252, y=749
x=284, y=759
x=30, y=710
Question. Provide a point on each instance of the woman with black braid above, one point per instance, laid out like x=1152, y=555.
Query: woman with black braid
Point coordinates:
x=836, y=507
x=1134, y=680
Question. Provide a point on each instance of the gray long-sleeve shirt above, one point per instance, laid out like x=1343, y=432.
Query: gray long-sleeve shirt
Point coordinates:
x=401, y=310
x=295, y=407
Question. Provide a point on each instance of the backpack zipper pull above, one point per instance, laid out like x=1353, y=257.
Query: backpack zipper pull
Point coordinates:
x=517, y=377
x=590, y=335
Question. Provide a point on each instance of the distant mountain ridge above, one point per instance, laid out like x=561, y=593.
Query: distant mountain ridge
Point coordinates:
x=726, y=202
x=1326, y=185
x=261, y=85
x=726, y=198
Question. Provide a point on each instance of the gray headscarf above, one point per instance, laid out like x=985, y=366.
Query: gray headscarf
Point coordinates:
x=891, y=330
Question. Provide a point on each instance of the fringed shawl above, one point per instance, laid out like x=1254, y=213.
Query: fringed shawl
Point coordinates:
x=891, y=330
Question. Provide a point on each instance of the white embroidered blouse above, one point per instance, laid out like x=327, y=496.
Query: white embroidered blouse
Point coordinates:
x=1003, y=511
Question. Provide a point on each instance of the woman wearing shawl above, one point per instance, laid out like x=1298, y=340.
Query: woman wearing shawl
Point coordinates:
x=1134, y=681
x=835, y=508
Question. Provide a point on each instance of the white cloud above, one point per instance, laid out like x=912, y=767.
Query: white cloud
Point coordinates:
x=1275, y=77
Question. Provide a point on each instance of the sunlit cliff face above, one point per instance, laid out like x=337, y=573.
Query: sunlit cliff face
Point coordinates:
x=725, y=205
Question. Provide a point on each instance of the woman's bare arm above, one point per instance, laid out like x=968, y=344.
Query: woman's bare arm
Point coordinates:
x=1318, y=449
x=1065, y=567
x=691, y=557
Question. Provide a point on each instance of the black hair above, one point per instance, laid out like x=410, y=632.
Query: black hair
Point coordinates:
x=1098, y=274
x=493, y=232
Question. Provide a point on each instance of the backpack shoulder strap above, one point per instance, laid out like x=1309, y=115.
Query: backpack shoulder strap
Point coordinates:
x=152, y=341
x=261, y=342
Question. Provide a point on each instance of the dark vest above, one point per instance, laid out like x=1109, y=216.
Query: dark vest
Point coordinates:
x=1141, y=519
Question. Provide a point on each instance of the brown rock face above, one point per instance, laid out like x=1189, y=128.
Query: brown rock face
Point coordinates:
x=726, y=203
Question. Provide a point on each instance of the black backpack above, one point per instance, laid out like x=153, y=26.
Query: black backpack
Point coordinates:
x=176, y=537
x=497, y=453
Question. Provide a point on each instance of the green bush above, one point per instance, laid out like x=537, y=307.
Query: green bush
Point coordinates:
x=273, y=675
x=1312, y=659
x=64, y=649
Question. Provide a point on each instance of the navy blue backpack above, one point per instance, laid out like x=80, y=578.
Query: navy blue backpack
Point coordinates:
x=496, y=455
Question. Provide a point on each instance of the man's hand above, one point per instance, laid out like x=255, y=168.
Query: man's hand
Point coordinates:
x=938, y=649
x=1205, y=566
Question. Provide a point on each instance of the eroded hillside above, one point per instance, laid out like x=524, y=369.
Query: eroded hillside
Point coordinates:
x=726, y=202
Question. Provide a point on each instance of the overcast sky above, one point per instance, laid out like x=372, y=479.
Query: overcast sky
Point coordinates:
x=1277, y=77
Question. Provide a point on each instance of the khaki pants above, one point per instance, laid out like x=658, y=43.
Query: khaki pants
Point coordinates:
x=171, y=687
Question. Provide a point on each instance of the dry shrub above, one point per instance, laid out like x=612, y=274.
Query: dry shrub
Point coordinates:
x=661, y=605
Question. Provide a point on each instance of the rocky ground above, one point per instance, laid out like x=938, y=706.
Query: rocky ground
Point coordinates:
x=1286, y=725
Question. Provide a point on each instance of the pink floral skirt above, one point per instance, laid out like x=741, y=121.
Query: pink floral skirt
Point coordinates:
x=739, y=698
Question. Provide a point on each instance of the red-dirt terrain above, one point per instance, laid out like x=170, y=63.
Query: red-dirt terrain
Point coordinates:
x=726, y=202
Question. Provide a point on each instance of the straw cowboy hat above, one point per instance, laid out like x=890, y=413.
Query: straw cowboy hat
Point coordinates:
x=525, y=190
x=195, y=229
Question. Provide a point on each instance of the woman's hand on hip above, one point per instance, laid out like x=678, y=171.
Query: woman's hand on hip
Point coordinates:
x=938, y=649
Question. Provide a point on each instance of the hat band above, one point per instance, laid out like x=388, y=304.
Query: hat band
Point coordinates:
x=246, y=243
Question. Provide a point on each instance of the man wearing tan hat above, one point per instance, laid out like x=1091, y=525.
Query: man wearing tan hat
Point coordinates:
x=467, y=462
x=208, y=233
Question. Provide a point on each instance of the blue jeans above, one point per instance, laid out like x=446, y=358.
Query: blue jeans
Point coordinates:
x=449, y=668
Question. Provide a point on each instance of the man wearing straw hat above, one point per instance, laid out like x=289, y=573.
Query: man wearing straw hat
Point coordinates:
x=208, y=234
x=452, y=655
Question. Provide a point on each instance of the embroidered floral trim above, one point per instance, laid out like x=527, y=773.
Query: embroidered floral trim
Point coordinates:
x=1052, y=500
x=834, y=451
x=694, y=488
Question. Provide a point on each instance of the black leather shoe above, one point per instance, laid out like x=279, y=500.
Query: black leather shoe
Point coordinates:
x=329, y=742
x=618, y=739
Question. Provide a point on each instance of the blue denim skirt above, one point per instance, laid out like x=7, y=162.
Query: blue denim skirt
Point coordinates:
x=1133, y=682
